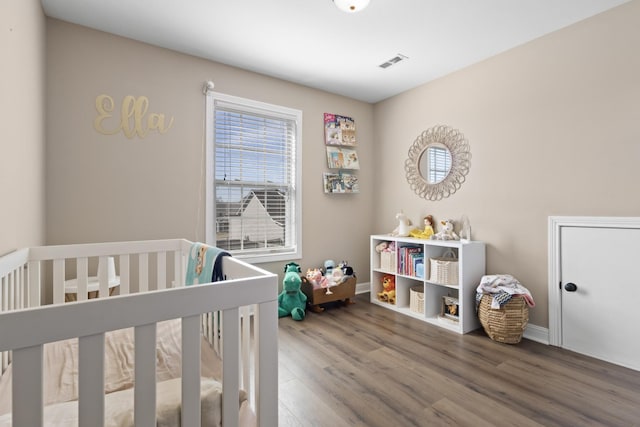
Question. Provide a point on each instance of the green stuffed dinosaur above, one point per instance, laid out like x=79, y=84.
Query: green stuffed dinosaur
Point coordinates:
x=291, y=301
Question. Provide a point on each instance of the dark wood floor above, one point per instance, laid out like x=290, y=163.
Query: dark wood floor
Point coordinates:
x=363, y=365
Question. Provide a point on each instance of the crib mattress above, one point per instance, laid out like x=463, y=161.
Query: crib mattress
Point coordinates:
x=61, y=380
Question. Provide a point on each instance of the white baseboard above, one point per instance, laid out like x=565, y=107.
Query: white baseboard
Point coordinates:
x=362, y=288
x=537, y=333
x=533, y=332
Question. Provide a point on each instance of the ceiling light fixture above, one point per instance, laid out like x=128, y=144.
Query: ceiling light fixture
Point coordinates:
x=351, y=6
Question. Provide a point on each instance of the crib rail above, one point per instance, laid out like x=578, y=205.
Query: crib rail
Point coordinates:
x=14, y=289
x=143, y=300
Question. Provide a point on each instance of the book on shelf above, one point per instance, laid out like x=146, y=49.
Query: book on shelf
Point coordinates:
x=410, y=257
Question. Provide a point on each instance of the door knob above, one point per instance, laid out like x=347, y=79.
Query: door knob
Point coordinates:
x=570, y=287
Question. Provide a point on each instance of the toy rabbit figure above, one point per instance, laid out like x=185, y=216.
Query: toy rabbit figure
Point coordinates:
x=404, y=225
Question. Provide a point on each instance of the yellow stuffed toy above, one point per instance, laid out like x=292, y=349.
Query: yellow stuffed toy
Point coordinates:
x=388, y=293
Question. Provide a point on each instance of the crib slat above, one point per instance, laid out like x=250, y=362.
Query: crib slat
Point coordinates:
x=34, y=283
x=24, y=294
x=145, y=376
x=191, y=371
x=124, y=275
x=58, y=281
x=3, y=307
x=143, y=273
x=19, y=288
x=266, y=363
x=245, y=348
x=103, y=277
x=178, y=275
x=27, y=394
x=162, y=270
x=12, y=292
x=215, y=335
x=82, y=273
x=91, y=380
x=231, y=371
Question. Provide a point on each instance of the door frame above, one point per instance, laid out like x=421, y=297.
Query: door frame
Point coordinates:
x=555, y=227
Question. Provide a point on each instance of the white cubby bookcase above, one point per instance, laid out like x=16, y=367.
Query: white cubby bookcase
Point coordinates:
x=471, y=267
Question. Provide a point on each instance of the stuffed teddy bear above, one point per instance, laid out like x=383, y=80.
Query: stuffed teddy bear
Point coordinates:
x=292, y=301
x=388, y=293
x=446, y=232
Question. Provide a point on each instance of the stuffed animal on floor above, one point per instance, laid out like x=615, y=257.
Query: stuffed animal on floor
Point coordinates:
x=292, y=301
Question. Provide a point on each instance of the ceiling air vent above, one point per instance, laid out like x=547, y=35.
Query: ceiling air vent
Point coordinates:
x=399, y=57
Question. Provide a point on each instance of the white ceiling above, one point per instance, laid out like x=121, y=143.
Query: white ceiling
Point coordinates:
x=312, y=43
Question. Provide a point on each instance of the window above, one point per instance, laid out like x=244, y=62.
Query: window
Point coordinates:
x=439, y=163
x=253, y=178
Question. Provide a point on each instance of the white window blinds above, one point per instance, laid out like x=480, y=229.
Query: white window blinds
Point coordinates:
x=439, y=163
x=255, y=179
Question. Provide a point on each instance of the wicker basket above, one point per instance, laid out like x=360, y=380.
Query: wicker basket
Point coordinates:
x=388, y=261
x=444, y=269
x=507, y=324
x=416, y=299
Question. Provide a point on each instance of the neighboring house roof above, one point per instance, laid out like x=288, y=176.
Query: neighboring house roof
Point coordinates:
x=271, y=199
x=226, y=209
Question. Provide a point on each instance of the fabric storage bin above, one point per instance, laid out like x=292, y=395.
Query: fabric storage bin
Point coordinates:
x=388, y=261
x=416, y=299
x=444, y=269
x=506, y=324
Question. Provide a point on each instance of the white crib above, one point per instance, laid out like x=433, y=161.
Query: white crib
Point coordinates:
x=151, y=290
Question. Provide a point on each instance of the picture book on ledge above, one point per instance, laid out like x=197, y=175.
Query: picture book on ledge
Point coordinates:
x=339, y=130
x=336, y=183
x=342, y=158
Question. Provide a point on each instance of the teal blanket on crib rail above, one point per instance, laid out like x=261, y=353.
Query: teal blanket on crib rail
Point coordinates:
x=204, y=264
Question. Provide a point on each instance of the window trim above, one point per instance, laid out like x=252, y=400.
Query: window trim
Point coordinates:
x=216, y=98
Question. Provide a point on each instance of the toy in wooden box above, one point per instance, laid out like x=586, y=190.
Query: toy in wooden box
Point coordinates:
x=317, y=294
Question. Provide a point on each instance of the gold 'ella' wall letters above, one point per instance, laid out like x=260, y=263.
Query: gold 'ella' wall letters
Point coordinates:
x=134, y=119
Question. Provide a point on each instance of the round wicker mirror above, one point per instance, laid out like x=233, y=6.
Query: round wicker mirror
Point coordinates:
x=438, y=162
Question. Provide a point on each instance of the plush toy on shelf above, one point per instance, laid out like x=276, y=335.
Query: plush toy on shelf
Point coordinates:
x=292, y=301
x=404, y=225
x=446, y=231
x=381, y=247
x=388, y=293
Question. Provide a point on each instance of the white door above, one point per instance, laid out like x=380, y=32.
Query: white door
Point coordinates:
x=600, y=293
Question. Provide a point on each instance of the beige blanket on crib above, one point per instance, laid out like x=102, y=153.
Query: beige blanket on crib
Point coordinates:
x=61, y=378
x=119, y=407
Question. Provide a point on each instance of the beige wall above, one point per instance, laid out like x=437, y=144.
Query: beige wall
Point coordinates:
x=109, y=188
x=552, y=127
x=554, y=130
x=22, y=31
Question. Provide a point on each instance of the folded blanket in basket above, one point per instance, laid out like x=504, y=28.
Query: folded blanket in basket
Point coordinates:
x=205, y=264
x=503, y=287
